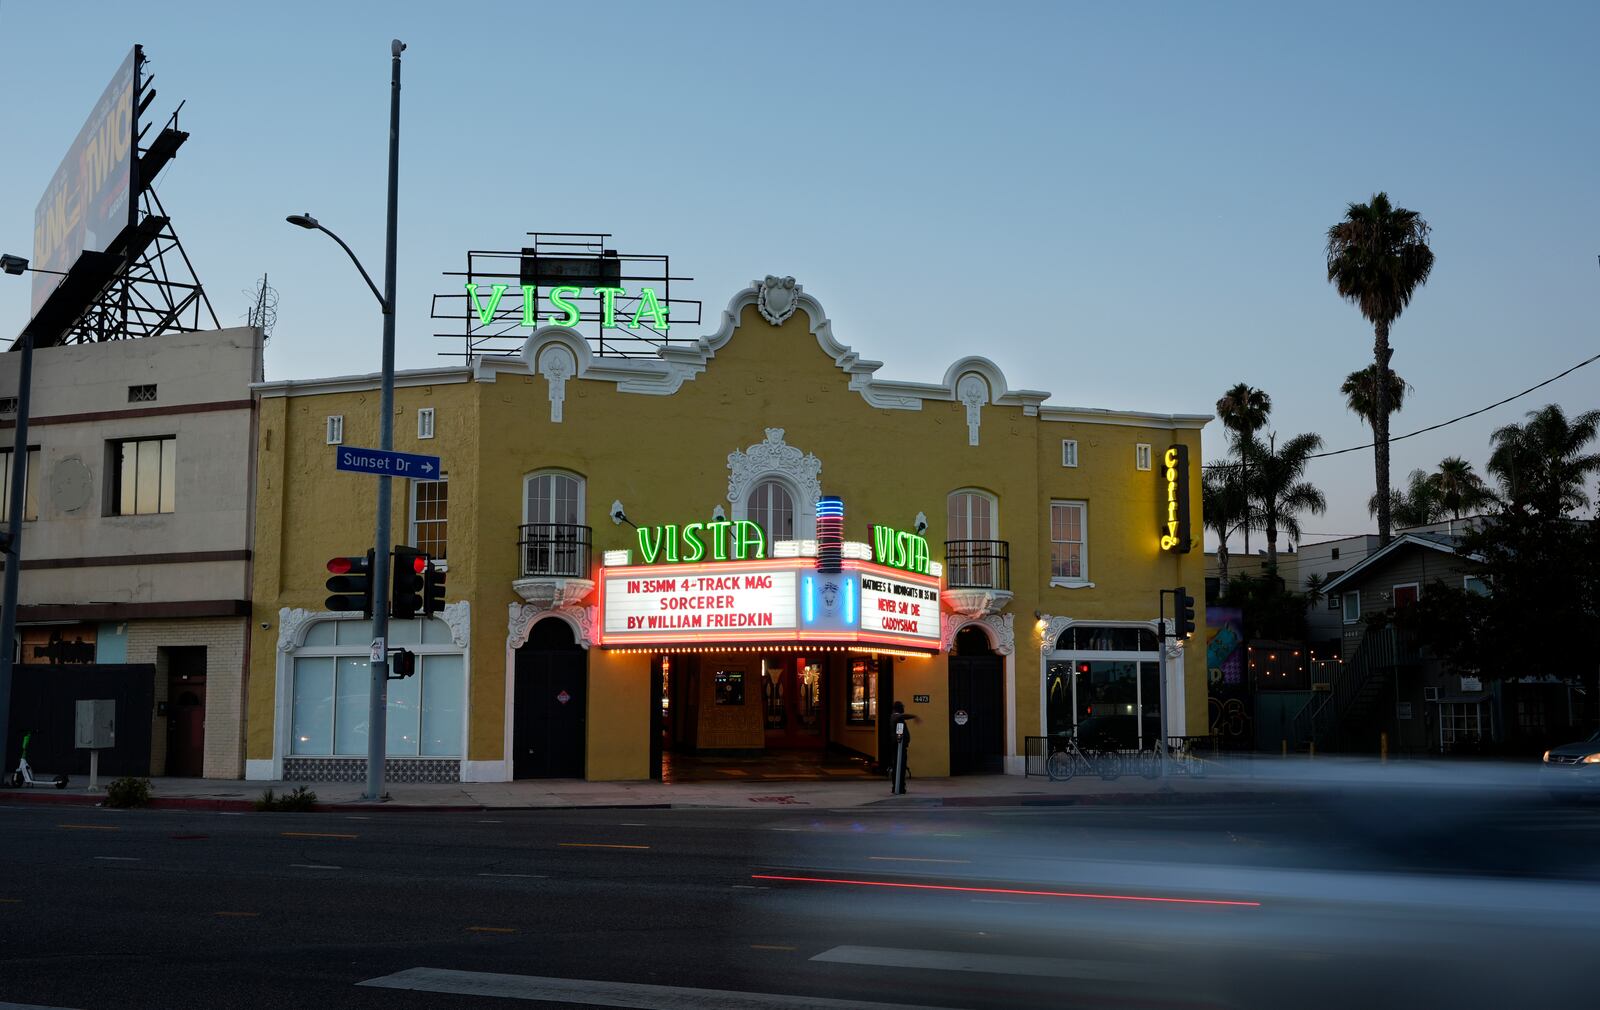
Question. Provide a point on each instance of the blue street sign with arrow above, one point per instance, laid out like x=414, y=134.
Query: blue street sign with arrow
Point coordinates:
x=382, y=463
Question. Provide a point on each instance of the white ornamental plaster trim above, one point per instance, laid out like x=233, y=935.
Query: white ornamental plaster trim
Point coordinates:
x=1002, y=636
x=458, y=616
x=552, y=592
x=292, y=624
x=774, y=457
x=557, y=364
x=974, y=393
x=522, y=617
x=778, y=298
x=976, y=602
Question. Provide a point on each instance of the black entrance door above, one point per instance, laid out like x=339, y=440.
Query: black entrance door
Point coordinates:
x=977, y=707
x=550, y=699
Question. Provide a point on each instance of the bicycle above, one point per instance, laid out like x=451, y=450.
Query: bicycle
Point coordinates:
x=1071, y=758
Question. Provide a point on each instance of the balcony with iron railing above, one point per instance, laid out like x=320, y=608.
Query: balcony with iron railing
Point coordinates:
x=554, y=564
x=977, y=576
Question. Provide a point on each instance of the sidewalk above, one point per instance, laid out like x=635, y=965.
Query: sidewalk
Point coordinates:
x=965, y=791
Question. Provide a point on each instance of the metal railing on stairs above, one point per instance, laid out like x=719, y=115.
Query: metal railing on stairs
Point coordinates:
x=1380, y=652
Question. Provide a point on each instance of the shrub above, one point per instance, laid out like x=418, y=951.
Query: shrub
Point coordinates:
x=300, y=800
x=128, y=792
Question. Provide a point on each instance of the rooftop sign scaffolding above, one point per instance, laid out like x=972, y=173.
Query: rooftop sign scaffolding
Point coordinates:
x=621, y=303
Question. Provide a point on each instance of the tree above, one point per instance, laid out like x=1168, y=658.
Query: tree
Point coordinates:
x=1361, y=394
x=1279, y=491
x=1224, y=507
x=1460, y=490
x=1378, y=256
x=1244, y=410
x=1417, y=505
x=1542, y=465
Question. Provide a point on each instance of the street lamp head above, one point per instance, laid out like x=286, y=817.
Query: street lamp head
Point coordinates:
x=396, y=47
x=13, y=265
x=302, y=221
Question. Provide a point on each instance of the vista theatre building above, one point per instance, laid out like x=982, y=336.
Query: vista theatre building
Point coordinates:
x=731, y=555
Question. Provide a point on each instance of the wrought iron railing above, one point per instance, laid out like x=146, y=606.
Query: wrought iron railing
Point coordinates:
x=557, y=549
x=977, y=564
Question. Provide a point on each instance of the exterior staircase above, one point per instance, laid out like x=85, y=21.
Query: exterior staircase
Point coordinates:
x=1356, y=692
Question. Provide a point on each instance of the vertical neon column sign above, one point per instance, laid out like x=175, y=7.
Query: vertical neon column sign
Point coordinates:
x=830, y=534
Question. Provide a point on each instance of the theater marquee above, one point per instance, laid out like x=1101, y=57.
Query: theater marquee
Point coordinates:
x=773, y=601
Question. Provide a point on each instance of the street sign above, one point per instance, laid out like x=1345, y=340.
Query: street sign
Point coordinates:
x=383, y=463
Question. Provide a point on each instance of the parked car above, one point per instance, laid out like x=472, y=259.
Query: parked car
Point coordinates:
x=1573, y=769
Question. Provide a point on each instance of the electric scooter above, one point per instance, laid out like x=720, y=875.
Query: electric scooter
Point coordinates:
x=23, y=776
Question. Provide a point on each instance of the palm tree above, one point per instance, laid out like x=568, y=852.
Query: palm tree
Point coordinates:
x=1459, y=489
x=1244, y=410
x=1541, y=465
x=1361, y=394
x=1378, y=256
x=1224, y=507
x=1280, y=493
x=1418, y=505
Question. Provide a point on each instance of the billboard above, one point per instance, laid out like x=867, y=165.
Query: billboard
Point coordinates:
x=90, y=198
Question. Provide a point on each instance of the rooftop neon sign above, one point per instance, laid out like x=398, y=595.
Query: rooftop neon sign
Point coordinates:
x=651, y=307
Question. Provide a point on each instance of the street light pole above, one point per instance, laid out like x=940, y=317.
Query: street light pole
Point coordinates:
x=378, y=712
x=378, y=694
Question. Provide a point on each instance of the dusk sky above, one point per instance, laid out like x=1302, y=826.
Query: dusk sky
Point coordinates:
x=1125, y=207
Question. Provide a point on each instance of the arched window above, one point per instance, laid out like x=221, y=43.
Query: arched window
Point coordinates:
x=973, y=559
x=972, y=515
x=554, y=496
x=772, y=508
x=555, y=540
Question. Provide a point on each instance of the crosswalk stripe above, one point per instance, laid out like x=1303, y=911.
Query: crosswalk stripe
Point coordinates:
x=593, y=992
x=988, y=964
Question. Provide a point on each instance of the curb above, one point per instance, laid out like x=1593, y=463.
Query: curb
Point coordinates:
x=58, y=798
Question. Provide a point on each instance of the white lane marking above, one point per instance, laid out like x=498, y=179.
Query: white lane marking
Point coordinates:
x=529, y=876
x=119, y=859
x=633, y=824
x=313, y=866
x=28, y=1006
x=589, y=992
x=989, y=964
x=490, y=822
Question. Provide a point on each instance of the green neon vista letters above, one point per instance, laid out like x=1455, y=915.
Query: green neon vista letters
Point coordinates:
x=652, y=311
x=898, y=549
x=737, y=540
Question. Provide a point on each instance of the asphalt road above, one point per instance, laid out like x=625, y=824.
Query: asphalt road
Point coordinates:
x=1343, y=901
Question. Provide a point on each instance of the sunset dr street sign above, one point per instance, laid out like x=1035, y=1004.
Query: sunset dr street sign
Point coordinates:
x=380, y=462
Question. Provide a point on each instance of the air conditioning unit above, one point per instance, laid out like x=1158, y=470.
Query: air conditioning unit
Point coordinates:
x=1430, y=694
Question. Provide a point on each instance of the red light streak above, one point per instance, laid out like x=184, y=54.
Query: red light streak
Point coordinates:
x=1010, y=890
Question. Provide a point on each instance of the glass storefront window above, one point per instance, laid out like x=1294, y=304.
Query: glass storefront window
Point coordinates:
x=329, y=693
x=1117, y=701
x=863, y=708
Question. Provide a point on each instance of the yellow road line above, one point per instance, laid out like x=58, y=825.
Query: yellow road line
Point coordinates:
x=238, y=915
x=89, y=827
x=598, y=845
x=10, y=901
x=490, y=929
x=915, y=859
x=770, y=946
x=317, y=834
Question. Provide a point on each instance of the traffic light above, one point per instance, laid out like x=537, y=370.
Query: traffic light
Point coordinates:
x=351, y=584
x=432, y=588
x=1185, y=612
x=405, y=599
x=402, y=663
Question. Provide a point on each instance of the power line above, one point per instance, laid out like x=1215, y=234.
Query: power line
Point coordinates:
x=1442, y=424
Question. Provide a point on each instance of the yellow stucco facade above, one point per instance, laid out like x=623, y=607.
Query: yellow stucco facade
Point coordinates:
x=656, y=436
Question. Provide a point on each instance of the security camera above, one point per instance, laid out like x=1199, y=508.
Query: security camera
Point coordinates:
x=922, y=522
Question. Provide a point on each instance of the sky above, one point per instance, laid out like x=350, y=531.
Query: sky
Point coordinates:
x=1125, y=205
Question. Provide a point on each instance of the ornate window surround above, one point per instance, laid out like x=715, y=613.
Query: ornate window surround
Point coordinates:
x=774, y=459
